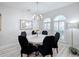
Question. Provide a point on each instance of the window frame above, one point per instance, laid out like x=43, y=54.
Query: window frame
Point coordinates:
x=49, y=22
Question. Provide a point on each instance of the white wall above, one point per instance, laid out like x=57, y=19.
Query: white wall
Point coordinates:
x=71, y=12
x=11, y=25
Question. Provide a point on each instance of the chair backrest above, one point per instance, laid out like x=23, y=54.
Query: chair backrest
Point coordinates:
x=23, y=41
x=44, y=32
x=33, y=32
x=23, y=34
x=47, y=41
x=57, y=36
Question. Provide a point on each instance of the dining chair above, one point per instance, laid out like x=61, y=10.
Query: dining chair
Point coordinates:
x=44, y=32
x=26, y=47
x=33, y=32
x=46, y=48
x=54, y=41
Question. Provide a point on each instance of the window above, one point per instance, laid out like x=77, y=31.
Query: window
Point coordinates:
x=25, y=24
x=47, y=23
x=55, y=26
x=59, y=25
x=60, y=18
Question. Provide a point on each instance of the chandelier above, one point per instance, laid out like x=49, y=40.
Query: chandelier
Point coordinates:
x=37, y=16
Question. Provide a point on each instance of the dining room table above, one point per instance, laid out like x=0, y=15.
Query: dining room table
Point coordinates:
x=36, y=39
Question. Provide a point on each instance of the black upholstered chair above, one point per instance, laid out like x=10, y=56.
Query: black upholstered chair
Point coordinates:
x=44, y=32
x=26, y=47
x=55, y=41
x=46, y=48
x=33, y=32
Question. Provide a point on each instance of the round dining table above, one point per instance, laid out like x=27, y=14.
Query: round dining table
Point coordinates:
x=36, y=39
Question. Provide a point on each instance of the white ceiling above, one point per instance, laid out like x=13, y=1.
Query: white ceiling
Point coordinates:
x=43, y=7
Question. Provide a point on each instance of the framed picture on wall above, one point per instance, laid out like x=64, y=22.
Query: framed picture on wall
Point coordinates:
x=0, y=22
x=25, y=24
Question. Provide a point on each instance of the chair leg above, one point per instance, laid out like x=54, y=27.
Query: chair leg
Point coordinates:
x=27, y=55
x=36, y=53
x=21, y=55
x=43, y=56
x=57, y=50
x=51, y=54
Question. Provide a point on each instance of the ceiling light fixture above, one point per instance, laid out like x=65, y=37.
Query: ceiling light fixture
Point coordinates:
x=37, y=16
